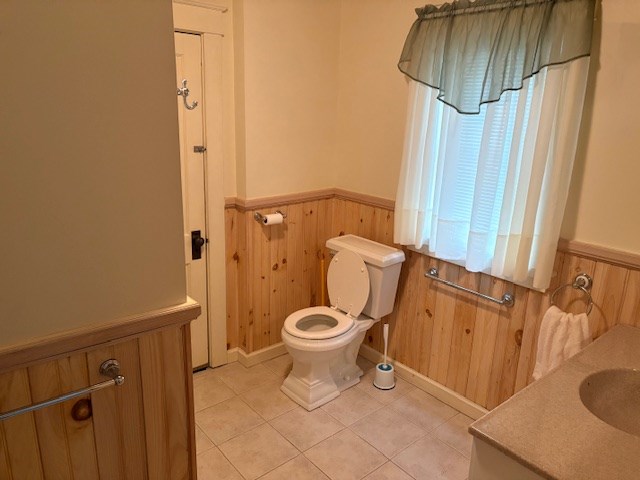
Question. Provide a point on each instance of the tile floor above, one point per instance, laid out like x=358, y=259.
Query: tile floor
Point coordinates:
x=246, y=428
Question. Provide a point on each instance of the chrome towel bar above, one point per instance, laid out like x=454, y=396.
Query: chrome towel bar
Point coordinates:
x=109, y=368
x=508, y=299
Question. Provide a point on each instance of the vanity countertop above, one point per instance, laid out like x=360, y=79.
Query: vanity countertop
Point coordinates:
x=547, y=428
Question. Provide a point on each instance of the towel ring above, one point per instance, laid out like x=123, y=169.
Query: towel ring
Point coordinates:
x=581, y=282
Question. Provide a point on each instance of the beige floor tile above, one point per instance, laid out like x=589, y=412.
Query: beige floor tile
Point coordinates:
x=384, y=396
x=258, y=451
x=208, y=390
x=300, y=468
x=280, y=366
x=388, y=431
x=455, y=434
x=305, y=429
x=240, y=378
x=268, y=400
x=432, y=459
x=352, y=405
x=345, y=456
x=202, y=441
x=423, y=409
x=227, y=419
x=213, y=466
x=389, y=471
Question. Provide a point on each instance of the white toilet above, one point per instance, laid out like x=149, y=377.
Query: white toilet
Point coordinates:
x=324, y=341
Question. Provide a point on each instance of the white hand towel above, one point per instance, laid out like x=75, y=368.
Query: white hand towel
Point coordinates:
x=561, y=336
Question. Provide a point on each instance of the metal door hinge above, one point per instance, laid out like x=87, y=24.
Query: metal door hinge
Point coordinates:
x=199, y=149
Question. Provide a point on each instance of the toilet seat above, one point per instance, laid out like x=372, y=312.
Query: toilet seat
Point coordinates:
x=348, y=285
x=323, y=323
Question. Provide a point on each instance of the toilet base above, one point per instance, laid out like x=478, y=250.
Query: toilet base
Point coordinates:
x=323, y=368
x=349, y=376
x=309, y=396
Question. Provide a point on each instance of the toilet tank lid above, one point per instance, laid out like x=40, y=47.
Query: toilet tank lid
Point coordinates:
x=371, y=252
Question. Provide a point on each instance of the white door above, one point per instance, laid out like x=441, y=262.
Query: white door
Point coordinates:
x=189, y=67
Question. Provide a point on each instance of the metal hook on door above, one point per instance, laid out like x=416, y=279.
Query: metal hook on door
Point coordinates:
x=184, y=93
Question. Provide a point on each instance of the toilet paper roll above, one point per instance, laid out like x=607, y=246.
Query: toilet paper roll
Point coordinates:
x=273, y=219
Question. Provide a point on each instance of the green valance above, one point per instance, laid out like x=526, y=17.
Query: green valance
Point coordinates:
x=473, y=51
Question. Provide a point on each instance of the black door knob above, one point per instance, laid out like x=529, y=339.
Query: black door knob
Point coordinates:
x=197, y=242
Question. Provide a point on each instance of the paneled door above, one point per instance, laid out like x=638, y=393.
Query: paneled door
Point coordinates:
x=192, y=161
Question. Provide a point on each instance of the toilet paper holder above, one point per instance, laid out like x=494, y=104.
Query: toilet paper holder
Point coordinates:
x=260, y=218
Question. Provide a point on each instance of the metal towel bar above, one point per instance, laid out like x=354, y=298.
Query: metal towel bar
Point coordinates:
x=508, y=299
x=109, y=368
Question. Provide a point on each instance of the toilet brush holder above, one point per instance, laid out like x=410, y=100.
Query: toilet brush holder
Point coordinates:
x=385, y=379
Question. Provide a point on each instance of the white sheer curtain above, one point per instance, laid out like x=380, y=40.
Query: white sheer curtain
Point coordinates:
x=488, y=191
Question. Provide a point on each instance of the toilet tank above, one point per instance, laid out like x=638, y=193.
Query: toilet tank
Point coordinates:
x=383, y=263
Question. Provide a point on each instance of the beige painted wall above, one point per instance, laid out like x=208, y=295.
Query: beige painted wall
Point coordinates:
x=90, y=202
x=372, y=94
x=324, y=105
x=287, y=91
x=603, y=207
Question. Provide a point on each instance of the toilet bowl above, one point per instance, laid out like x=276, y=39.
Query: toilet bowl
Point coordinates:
x=324, y=341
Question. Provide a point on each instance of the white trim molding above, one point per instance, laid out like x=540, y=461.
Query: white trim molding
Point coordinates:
x=232, y=355
x=205, y=19
x=254, y=358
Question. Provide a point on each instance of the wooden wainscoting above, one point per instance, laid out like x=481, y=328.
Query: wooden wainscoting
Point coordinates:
x=272, y=271
x=143, y=429
x=480, y=350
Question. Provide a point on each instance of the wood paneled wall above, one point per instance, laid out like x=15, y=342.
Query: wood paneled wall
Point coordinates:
x=272, y=271
x=481, y=350
x=141, y=430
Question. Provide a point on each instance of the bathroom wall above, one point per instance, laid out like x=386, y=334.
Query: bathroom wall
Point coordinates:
x=482, y=352
x=272, y=272
x=286, y=94
x=90, y=201
x=476, y=348
x=372, y=94
x=603, y=207
x=602, y=203
x=299, y=132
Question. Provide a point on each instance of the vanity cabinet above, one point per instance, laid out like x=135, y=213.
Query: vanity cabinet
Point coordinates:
x=142, y=429
x=549, y=430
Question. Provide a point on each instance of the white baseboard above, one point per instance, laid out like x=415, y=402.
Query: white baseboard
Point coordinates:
x=232, y=355
x=442, y=393
x=254, y=358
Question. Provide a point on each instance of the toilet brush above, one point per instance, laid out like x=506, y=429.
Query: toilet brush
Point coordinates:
x=384, y=371
x=385, y=336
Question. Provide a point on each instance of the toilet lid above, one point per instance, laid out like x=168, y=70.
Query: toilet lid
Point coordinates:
x=348, y=283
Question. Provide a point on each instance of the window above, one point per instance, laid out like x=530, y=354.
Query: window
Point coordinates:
x=486, y=170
